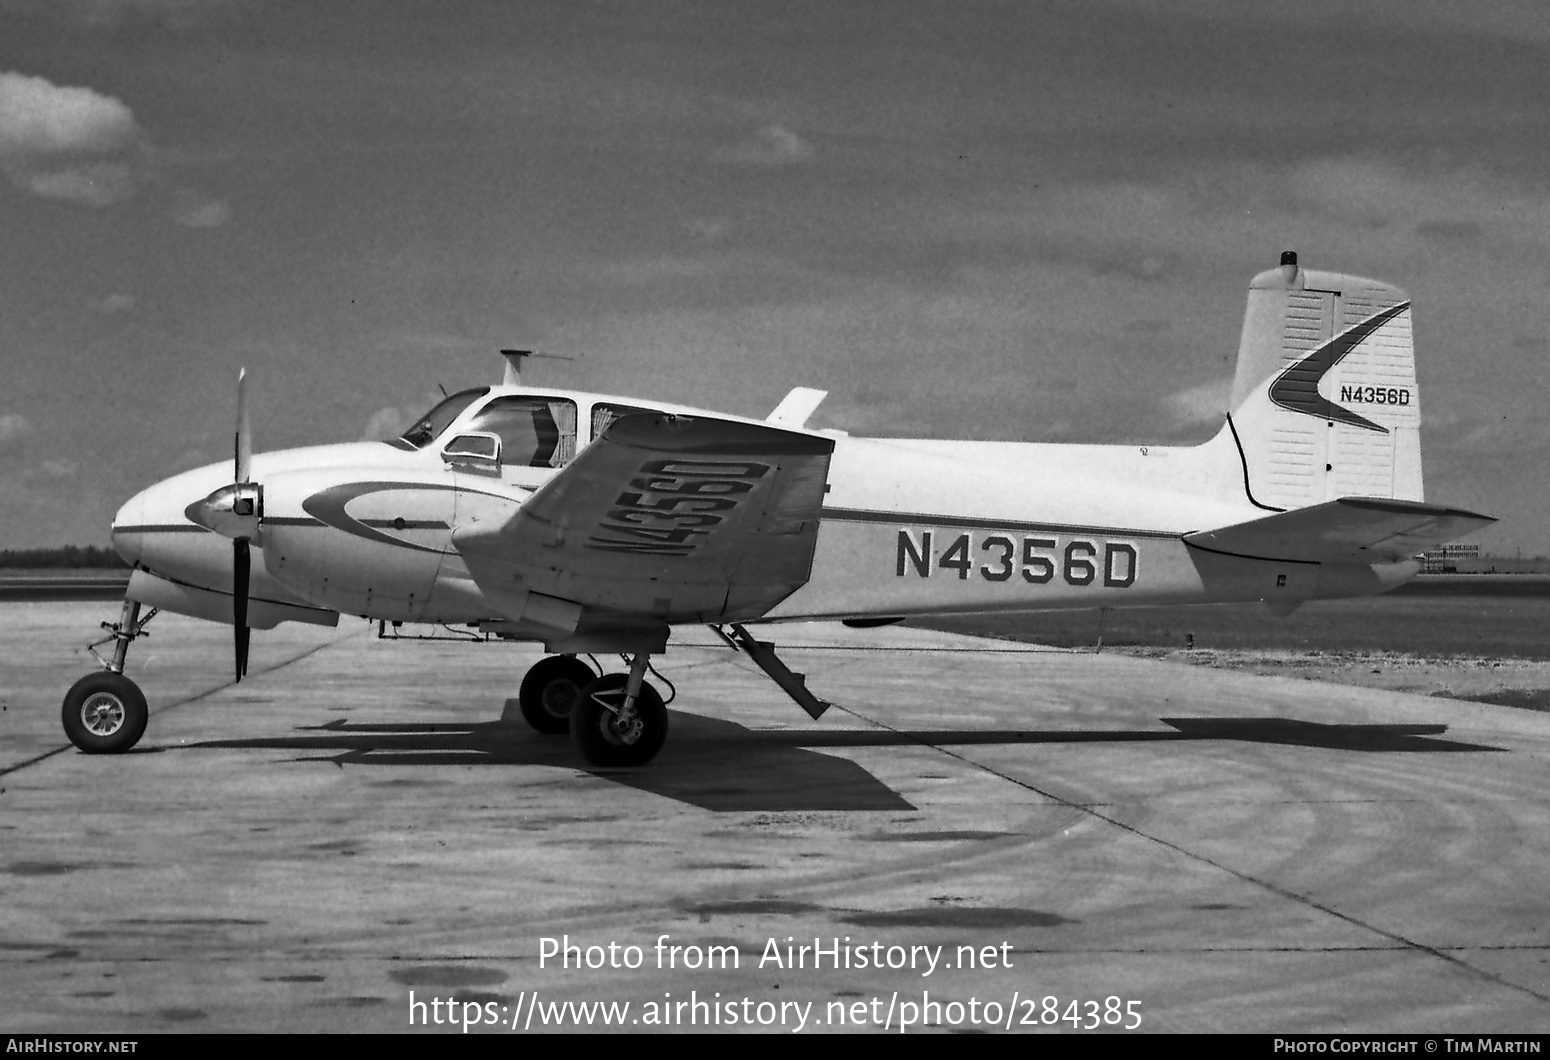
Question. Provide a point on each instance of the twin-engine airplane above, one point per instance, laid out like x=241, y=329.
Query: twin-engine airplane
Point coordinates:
x=595, y=524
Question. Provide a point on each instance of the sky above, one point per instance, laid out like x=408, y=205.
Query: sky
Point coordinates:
x=1025, y=220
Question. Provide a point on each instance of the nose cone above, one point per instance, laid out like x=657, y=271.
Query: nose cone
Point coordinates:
x=153, y=530
x=130, y=528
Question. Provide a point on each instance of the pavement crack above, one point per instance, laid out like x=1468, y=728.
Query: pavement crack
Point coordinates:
x=1264, y=884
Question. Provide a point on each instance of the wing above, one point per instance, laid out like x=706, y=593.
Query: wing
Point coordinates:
x=1351, y=529
x=663, y=519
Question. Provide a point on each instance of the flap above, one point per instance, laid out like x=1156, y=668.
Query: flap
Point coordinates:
x=1351, y=529
x=675, y=518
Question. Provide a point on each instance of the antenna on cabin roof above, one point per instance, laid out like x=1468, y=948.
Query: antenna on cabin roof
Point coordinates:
x=514, y=363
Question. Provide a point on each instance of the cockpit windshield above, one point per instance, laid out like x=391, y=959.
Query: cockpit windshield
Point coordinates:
x=430, y=425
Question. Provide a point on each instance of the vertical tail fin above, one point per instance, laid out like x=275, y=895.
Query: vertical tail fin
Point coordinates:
x=1324, y=401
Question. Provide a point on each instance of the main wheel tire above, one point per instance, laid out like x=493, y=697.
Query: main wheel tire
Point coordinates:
x=594, y=729
x=550, y=690
x=104, y=713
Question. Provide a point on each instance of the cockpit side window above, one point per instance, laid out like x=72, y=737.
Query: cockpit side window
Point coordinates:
x=534, y=431
x=428, y=427
x=604, y=413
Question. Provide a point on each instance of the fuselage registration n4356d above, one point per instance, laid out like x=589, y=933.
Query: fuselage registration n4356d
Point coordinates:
x=591, y=523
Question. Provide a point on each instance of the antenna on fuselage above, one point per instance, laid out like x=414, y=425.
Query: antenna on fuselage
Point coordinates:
x=514, y=363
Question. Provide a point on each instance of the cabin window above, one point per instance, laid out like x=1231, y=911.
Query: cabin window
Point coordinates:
x=534, y=431
x=428, y=427
x=604, y=414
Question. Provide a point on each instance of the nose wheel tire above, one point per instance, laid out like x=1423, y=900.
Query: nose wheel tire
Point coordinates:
x=550, y=690
x=104, y=713
x=596, y=731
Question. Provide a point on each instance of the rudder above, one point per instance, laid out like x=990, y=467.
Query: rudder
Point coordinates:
x=1325, y=403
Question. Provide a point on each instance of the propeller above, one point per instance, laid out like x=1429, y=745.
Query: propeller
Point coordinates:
x=242, y=504
x=241, y=567
x=237, y=511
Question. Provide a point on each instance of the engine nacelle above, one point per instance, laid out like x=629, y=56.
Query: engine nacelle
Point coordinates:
x=371, y=545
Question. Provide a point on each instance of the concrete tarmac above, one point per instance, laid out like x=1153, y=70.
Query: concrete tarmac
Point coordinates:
x=354, y=839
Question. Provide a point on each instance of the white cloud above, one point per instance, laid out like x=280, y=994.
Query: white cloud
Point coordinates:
x=668, y=268
x=387, y=423
x=78, y=145
x=190, y=458
x=1206, y=403
x=60, y=468
x=114, y=303
x=709, y=229
x=65, y=142
x=773, y=145
x=1515, y=20
x=95, y=184
x=193, y=210
x=1455, y=203
x=39, y=117
x=107, y=14
x=14, y=428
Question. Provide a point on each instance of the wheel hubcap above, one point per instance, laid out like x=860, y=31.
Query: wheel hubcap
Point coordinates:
x=618, y=725
x=102, y=714
x=625, y=732
x=560, y=698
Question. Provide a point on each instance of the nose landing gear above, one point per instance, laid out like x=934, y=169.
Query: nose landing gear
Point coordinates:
x=105, y=713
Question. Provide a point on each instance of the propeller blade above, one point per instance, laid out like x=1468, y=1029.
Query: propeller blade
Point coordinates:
x=241, y=567
x=243, y=443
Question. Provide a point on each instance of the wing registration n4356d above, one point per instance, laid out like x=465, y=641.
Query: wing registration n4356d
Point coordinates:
x=676, y=517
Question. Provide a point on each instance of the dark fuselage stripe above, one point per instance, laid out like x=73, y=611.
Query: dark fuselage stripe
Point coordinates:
x=838, y=515
x=384, y=524
x=860, y=515
x=1246, y=555
x=162, y=528
x=255, y=599
x=1244, y=460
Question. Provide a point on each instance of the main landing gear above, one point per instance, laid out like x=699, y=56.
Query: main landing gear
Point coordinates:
x=620, y=720
x=614, y=720
x=105, y=713
x=550, y=690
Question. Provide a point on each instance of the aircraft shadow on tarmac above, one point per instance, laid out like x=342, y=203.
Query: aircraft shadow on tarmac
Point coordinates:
x=722, y=766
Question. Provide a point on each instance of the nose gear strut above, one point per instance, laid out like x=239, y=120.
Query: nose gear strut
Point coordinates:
x=105, y=712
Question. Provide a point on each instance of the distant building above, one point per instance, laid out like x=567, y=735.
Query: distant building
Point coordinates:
x=1445, y=560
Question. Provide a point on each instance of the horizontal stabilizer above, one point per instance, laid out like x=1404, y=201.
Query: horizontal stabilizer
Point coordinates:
x=1351, y=529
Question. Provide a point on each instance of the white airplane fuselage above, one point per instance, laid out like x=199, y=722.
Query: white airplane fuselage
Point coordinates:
x=909, y=527
x=594, y=524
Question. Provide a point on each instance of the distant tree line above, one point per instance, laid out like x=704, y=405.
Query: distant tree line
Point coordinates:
x=89, y=556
